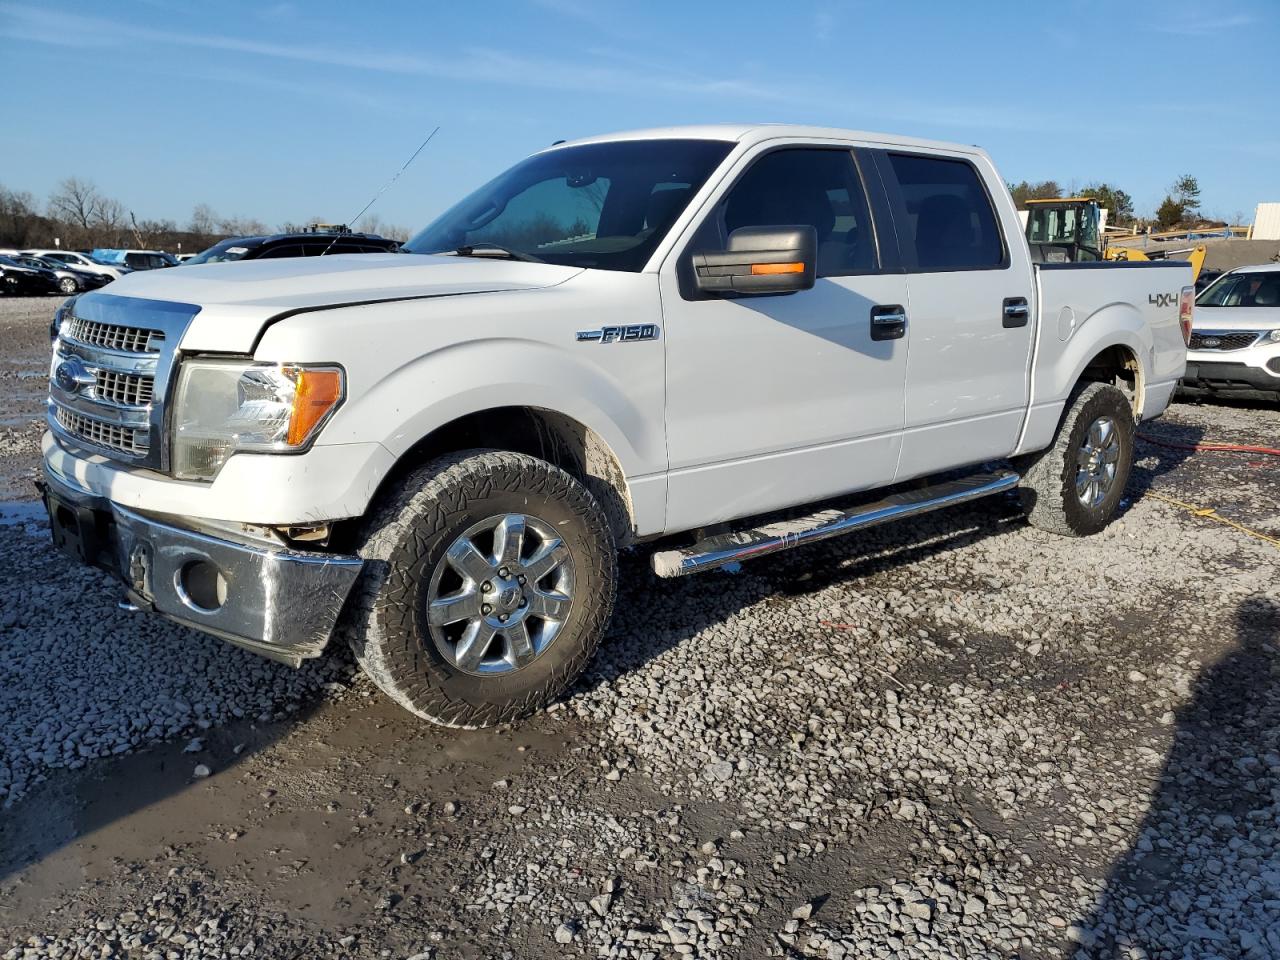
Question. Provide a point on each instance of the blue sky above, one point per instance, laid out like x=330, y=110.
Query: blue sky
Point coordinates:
x=284, y=111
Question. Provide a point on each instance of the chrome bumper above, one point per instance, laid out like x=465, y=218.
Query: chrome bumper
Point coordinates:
x=277, y=602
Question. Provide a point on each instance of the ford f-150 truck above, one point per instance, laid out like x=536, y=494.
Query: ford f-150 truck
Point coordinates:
x=715, y=341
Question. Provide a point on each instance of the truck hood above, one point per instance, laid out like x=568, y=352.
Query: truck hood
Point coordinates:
x=236, y=299
x=1236, y=318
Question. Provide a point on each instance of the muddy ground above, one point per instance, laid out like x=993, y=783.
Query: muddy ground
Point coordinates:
x=957, y=736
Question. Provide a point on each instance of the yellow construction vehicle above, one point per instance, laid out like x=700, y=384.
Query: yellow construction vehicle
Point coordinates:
x=1069, y=230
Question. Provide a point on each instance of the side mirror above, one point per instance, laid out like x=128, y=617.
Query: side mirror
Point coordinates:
x=760, y=260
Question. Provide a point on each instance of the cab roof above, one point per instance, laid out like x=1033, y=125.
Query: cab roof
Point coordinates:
x=752, y=133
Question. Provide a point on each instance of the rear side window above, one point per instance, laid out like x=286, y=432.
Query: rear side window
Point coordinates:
x=950, y=222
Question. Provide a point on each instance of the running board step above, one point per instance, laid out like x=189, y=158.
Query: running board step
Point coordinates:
x=774, y=537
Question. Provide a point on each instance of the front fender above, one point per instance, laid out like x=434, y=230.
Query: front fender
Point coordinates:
x=430, y=391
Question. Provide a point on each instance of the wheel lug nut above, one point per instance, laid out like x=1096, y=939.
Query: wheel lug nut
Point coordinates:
x=486, y=587
x=503, y=618
x=522, y=579
x=504, y=573
x=486, y=609
x=523, y=603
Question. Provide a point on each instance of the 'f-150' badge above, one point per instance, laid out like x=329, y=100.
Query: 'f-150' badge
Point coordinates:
x=627, y=334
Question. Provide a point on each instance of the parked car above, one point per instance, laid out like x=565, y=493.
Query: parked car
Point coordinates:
x=692, y=339
x=294, y=245
x=1235, y=341
x=136, y=259
x=81, y=261
x=26, y=281
x=70, y=281
x=184, y=257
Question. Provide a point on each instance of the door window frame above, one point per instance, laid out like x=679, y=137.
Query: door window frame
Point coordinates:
x=897, y=206
x=884, y=237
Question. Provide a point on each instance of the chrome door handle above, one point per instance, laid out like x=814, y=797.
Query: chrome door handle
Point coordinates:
x=1016, y=312
x=888, y=322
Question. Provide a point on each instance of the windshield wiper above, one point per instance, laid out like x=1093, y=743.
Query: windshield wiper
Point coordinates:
x=496, y=250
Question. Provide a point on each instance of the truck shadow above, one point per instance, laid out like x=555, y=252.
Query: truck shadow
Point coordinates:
x=61, y=815
x=1160, y=447
x=692, y=604
x=96, y=724
x=673, y=611
x=1203, y=875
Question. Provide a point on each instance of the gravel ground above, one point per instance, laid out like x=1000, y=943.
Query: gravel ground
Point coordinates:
x=952, y=737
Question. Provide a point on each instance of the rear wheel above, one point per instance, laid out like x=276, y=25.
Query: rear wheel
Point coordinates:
x=1074, y=487
x=68, y=285
x=488, y=582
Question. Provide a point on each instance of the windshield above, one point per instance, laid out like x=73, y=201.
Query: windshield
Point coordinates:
x=604, y=205
x=219, y=253
x=1243, y=290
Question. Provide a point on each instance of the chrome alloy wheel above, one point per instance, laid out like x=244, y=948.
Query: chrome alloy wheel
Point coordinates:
x=1096, y=462
x=500, y=595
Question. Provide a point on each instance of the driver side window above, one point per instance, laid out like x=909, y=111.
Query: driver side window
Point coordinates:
x=817, y=187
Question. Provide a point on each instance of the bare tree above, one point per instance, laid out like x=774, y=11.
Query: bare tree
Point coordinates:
x=87, y=215
x=19, y=221
x=203, y=219
x=78, y=202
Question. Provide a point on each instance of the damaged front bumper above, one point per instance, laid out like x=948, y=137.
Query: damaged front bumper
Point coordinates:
x=278, y=602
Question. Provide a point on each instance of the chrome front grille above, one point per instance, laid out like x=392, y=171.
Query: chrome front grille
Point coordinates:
x=112, y=361
x=1223, y=339
x=125, y=389
x=125, y=439
x=112, y=336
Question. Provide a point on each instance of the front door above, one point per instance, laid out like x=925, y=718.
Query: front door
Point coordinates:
x=784, y=399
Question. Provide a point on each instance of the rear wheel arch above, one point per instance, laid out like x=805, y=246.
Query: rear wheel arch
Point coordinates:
x=1118, y=365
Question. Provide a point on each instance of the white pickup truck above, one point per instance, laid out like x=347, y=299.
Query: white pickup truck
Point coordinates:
x=717, y=341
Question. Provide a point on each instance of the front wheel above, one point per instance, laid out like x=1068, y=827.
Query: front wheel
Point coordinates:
x=1074, y=487
x=488, y=582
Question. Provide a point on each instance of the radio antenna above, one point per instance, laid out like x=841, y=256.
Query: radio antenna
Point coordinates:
x=384, y=189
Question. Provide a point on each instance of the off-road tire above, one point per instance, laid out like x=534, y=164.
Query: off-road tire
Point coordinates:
x=403, y=539
x=1048, y=487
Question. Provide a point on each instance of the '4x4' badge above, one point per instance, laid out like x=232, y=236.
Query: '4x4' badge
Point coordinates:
x=1162, y=299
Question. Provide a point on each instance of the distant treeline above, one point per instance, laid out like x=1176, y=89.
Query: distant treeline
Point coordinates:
x=80, y=217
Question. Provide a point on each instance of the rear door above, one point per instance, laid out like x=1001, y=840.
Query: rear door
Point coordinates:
x=784, y=399
x=970, y=290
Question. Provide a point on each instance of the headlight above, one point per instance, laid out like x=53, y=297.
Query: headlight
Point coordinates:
x=1274, y=336
x=223, y=407
x=63, y=310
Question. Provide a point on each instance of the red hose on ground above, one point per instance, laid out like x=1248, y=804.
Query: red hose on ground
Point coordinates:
x=1211, y=447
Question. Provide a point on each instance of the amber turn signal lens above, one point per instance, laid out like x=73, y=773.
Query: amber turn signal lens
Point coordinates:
x=317, y=392
x=764, y=269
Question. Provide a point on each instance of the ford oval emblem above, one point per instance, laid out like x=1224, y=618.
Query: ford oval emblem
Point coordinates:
x=72, y=376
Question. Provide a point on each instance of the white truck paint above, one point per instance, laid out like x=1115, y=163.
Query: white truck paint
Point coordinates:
x=694, y=409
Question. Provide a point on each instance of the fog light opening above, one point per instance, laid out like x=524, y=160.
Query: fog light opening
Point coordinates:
x=201, y=586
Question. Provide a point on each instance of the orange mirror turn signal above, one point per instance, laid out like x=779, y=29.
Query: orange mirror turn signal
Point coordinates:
x=767, y=269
